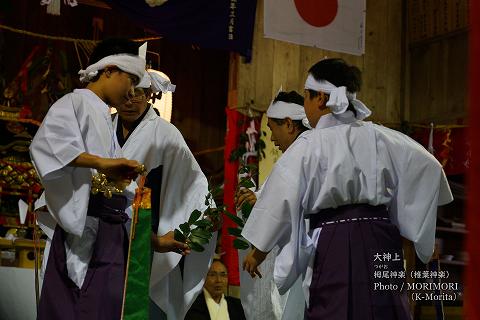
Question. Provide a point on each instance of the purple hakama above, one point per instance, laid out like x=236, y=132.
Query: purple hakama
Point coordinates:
x=101, y=294
x=346, y=284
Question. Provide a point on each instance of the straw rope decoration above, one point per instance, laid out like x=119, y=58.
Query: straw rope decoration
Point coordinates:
x=68, y=39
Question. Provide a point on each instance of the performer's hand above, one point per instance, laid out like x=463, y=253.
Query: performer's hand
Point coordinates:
x=119, y=169
x=254, y=258
x=167, y=243
x=243, y=195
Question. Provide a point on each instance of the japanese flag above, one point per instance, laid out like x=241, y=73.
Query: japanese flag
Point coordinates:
x=335, y=25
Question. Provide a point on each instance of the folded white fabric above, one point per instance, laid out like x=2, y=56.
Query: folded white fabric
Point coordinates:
x=156, y=81
x=339, y=97
x=282, y=110
x=126, y=62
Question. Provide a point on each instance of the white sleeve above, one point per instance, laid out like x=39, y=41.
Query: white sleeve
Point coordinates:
x=58, y=141
x=184, y=187
x=277, y=218
x=422, y=187
x=270, y=222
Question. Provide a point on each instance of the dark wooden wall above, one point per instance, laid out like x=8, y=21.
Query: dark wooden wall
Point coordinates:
x=437, y=61
x=438, y=80
x=277, y=63
x=201, y=75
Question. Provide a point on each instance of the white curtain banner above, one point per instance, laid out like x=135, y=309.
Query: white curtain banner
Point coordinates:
x=335, y=25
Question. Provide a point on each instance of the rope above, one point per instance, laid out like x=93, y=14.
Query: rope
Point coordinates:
x=426, y=126
x=438, y=126
x=86, y=45
x=78, y=55
x=68, y=39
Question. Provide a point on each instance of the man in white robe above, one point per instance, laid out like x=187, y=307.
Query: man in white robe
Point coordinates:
x=261, y=299
x=178, y=187
x=345, y=166
x=75, y=141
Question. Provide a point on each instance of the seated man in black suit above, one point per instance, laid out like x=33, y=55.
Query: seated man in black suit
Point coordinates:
x=212, y=304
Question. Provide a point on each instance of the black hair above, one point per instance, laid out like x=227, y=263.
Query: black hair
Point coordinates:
x=296, y=123
x=290, y=97
x=339, y=73
x=219, y=260
x=112, y=46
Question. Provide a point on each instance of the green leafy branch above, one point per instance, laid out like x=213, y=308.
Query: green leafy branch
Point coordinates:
x=199, y=229
x=240, y=242
x=246, y=172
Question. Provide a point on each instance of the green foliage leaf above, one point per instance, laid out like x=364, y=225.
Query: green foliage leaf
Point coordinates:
x=198, y=240
x=247, y=183
x=194, y=216
x=235, y=219
x=204, y=223
x=243, y=170
x=240, y=244
x=201, y=233
x=196, y=247
x=185, y=227
x=246, y=210
x=178, y=235
x=235, y=232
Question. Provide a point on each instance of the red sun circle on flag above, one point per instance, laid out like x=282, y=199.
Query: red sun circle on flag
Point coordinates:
x=318, y=13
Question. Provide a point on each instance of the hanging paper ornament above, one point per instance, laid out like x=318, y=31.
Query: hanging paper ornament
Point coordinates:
x=155, y=3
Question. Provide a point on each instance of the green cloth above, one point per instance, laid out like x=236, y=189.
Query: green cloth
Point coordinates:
x=137, y=300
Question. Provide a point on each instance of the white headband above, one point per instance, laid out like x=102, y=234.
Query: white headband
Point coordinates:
x=126, y=62
x=282, y=110
x=156, y=81
x=339, y=97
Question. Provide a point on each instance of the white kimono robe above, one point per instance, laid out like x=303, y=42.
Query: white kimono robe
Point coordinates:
x=261, y=298
x=155, y=142
x=78, y=122
x=344, y=161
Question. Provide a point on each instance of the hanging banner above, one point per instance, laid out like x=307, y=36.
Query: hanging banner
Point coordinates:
x=136, y=301
x=238, y=125
x=219, y=24
x=335, y=25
